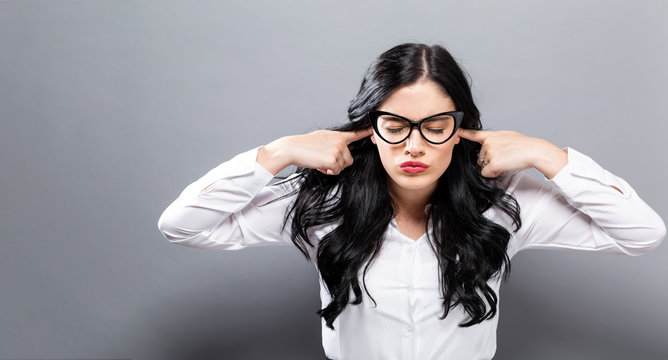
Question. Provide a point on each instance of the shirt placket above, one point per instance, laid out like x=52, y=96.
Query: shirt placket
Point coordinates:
x=408, y=331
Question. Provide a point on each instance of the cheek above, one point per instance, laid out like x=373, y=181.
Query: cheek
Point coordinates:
x=445, y=159
x=387, y=156
x=384, y=155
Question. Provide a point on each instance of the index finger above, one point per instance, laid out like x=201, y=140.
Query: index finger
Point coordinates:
x=474, y=135
x=352, y=136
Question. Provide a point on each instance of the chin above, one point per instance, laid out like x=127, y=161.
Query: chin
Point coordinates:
x=415, y=181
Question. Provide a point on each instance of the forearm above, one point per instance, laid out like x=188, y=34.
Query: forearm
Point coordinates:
x=232, y=185
x=577, y=209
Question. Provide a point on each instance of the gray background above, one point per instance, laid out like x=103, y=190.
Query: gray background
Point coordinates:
x=110, y=108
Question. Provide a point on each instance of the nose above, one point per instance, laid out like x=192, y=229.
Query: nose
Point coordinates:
x=415, y=143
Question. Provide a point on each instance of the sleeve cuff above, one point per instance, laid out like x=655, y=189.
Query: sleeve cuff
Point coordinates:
x=582, y=166
x=243, y=170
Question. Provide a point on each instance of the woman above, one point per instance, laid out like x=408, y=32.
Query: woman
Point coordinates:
x=418, y=204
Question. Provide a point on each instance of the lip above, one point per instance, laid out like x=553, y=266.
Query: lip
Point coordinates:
x=413, y=166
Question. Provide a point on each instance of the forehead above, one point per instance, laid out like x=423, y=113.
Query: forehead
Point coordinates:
x=418, y=100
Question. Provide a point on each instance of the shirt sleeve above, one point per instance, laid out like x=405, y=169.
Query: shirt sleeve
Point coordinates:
x=578, y=209
x=225, y=209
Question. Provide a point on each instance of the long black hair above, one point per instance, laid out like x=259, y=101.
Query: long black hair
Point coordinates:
x=470, y=248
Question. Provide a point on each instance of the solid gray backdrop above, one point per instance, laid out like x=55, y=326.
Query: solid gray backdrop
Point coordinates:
x=110, y=108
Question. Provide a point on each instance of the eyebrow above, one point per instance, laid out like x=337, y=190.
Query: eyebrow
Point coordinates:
x=403, y=117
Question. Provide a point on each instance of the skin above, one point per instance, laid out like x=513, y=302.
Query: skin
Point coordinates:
x=328, y=152
x=410, y=192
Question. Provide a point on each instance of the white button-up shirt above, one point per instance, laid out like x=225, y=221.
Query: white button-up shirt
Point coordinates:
x=576, y=209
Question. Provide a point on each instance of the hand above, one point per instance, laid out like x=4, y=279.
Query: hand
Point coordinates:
x=505, y=150
x=325, y=150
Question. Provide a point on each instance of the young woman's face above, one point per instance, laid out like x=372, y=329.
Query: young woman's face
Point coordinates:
x=415, y=102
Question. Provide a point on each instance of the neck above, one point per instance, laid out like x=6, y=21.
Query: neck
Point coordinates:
x=410, y=203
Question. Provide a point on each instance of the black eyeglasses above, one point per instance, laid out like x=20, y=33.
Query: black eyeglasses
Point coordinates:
x=435, y=129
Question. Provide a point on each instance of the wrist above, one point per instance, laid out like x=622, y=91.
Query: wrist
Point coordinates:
x=272, y=157
x=549, y=159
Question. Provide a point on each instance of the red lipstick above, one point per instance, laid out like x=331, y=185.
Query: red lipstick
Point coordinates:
x=413, y=166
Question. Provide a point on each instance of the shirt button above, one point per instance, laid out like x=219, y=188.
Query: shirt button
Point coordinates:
x=410, y=289
x=409, y=250
x=410, y=327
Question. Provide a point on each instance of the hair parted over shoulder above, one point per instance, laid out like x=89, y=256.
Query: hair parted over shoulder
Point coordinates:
x=470, y=248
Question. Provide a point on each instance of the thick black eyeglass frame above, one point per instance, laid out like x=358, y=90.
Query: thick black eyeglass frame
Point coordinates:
x=374, y=114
